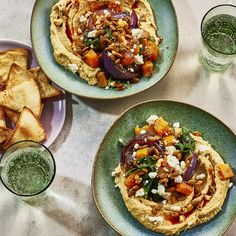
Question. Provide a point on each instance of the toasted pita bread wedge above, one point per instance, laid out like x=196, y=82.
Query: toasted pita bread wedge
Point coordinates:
x=28, y=127
x=5, y=134
x=45, y=88
x=17, y=55
x=12, y=115
x=17, y=75
x=2, y=117
x=22, y=95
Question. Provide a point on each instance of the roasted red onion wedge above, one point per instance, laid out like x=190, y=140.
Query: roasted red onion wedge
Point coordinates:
x=120, y=15
x=134, y=20
x=188, y=174
x=127, y=151
x=115, y=71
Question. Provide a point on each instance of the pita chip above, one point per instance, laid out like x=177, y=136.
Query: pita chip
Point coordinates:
x=28, y=127
x=43, y=82
x=22, y=95
x=17, y=55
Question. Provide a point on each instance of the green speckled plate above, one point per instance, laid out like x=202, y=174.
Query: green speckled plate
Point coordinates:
x=40, y=35
x=108, y=198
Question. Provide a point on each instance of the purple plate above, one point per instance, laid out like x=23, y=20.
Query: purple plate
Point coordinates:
x=54, y=111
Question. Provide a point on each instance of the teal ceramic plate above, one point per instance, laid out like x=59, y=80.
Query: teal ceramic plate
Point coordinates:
x=108, y=198
x=40, y=35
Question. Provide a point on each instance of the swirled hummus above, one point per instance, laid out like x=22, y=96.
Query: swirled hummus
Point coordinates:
x=108, y=43
x=171, y=179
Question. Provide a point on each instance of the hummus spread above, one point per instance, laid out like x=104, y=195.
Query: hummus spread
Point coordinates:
x=205, y=183
x=81, y=30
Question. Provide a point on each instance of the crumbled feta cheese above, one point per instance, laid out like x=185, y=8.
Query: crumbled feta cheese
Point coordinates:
x=113, y=84
x=170, y=150
x=109, y=54
x=137, y=33
x=138, y=59
x=154, y=191
x=164, y=202
x=151, y=119
x=145, y=140
x=91, y=46
x=176, y=125
x=106, y=12
x=132, y=50
x=92, y=34
x=152, y=175
x=203, y=148
x=136, y=146
x=175, y=208
x=200, y=177
x=121, y=140
x=178, y=179
x=113, y=173
x=143, y=131
x=82, y=18
x=131, y=69
x=107, y=87
x=116, y=186
x=161, y=189
x=158, y=219
x=182, y=165
x=230, y=185
x=82, y=38
x=134, y=154
x=139, y=193
x=172, y=161
x=73, y=67
x=80, y=31
x=146, y=181
x=135, y=46
x=140, y=46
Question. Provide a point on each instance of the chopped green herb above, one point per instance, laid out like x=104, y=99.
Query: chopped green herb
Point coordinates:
x=108, y=31
x=95, y=42
x=187, y=143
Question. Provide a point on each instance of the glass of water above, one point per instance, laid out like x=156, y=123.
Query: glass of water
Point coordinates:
x=218, y=29
x=27, y=169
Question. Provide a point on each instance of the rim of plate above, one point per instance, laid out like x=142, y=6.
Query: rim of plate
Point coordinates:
x=111, y=127
x=111, y=96
x=4, y=40
x=65, y=93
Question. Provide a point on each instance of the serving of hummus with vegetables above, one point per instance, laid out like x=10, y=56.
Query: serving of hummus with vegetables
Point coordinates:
x=170, y=178
x=111, y=44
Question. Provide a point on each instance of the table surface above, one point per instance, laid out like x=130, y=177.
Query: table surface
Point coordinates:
x=69, y=208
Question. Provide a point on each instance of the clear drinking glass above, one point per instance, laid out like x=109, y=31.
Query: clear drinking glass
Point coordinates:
x=27, y=169
x=218, y=30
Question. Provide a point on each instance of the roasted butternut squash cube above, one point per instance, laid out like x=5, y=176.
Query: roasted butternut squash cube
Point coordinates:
x=160, y=126
x=169, y=139
x=142, y=152
x=137, y=130
x=225, y=171
x=101, y=79
x=184, y=188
